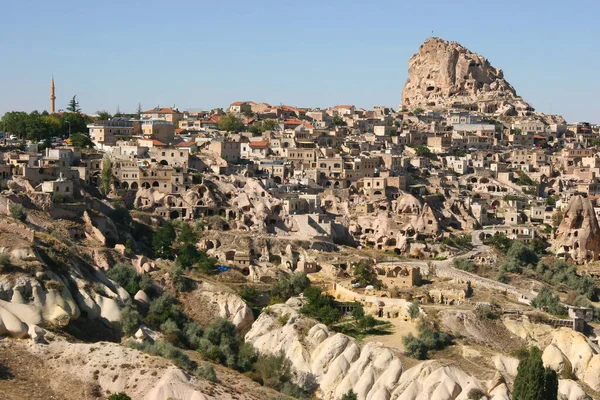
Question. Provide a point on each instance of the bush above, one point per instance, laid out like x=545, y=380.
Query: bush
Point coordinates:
x=288, y=287
x=349, y=395
x=4, y=262
x=476, y=394
x=465, y=265
x=430, y=338
x=126, y=276
x=192, y=334
x=275, y=371
x=119, y=396
x=166, y=350
x=17, y=211
x=546, y=301
x=414, y=310
x=162, y=309
x=222, y=342
x=283, y=319
x=130, y=320
x=180, y=282
x=208, y=372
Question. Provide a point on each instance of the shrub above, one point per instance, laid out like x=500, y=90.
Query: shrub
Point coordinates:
x=4, y=262
x=283, y=319
x=192, y=334
x=520, y=353
x=180, y=282
x=476, y=394
x=414, y=310
x=430, y=338
x=208, y=372
x=126, y=276
x=288, y=287
x=162, y=309
x=130, y=320
x=546, y=301
x=119, y=396
x=17, y=211
x=166, y=350
x=59, y=198
x=465, y=265
x=274, y=371
x=222, y=342
x=349, y=395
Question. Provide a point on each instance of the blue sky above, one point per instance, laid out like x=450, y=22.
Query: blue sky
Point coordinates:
x=201, y=54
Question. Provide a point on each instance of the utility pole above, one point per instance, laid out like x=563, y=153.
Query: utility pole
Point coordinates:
x=69, y=122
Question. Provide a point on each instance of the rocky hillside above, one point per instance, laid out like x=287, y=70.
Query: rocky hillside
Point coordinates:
x=446, y=74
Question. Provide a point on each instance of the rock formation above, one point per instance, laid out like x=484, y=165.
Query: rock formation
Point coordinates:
x=578, y=235
x=335, y=363
x=445, y=74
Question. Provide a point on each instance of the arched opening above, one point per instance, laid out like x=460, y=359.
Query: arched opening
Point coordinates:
x=155, y=184
x=277, y=180
x=174, y=214
x=146, y=185
x=124, y=185
x=164, y=162
x=134, y=185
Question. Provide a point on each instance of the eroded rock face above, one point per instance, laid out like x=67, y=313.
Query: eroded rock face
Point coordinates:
x=578, y=235
x=572, y=348
x=334, y=363
x=443, y=73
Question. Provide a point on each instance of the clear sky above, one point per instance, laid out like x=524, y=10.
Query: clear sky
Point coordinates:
x=206, y=54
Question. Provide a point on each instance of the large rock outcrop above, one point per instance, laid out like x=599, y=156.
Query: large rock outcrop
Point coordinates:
x=443, y=74
x=578, y=235
x=334, y=363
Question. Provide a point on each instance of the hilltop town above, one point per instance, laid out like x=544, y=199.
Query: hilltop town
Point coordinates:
x=463, y=211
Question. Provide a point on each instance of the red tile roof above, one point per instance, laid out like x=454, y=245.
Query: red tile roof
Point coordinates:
x=292, y=122
x=261, y=143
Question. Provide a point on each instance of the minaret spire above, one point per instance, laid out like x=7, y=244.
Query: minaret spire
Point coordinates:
x=52, y=97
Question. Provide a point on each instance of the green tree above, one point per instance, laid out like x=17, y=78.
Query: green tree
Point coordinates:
x=103, y=115
x=106, y=177
x=130, y=320
x=320, y=306
x=546, y=301
x=163, y=239
x=414, y=310
x=349, y=395
x=338, y=121
x=423, y=151
x=230, y=123
x=418, y=110
x=81, y=140
x=533, y=381
x=269, y=125
x=188, y=234
x=73, y=105
x=119, y=396
x=15, y=122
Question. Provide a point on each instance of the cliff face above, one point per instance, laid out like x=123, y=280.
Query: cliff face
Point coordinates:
x=578, y=235
x=445, y=74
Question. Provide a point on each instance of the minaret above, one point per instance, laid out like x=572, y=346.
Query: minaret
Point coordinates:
x=52, y=97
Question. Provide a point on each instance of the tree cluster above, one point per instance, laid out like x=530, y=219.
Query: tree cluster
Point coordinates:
x=39, y=126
